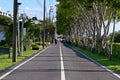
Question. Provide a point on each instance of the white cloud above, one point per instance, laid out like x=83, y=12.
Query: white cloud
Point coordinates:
x=33, y=9
x=31, y=12
x=0, y=8
x=38, y=11
x=27, y=8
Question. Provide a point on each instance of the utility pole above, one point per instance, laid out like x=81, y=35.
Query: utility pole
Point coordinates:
x=14, y=31
x=44, y=23
x=49, y=16
x=48, y=34
x=50, y=10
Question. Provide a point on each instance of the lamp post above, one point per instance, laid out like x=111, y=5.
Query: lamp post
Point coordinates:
x=18, y=35
x=50, y=21
x=21, y=33
x=50, y=10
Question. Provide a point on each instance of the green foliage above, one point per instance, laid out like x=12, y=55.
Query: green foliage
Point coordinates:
x=7, y=22
x=33, y=30
x=35, y=47
x=64, y=16
x=38, y=43
x=66, y=10
x=2, y=42
x=116, y=50
x=8, y=34
x=114, y=4
x=116, y=37
x=4, y=20
x=49, y=29
x=77, y=41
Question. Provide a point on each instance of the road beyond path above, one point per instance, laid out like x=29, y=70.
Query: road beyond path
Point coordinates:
x=58, y=62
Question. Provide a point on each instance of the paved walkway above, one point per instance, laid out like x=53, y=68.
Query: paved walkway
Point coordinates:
x=58, y=62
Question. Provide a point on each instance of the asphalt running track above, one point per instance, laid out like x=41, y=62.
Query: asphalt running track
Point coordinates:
x=58, y=62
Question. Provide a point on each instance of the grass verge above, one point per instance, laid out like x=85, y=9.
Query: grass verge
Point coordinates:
x=6, y=62
x=114, y=65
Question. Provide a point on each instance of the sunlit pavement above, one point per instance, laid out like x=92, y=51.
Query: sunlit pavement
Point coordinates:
x=59, y=62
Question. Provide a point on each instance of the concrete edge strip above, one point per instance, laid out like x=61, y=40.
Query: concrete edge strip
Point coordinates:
x=115, y=74
x=6, y=74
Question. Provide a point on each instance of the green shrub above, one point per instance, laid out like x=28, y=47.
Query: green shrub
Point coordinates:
x=116, y=50
x=2, y=42
x=4, y=20
x=35, y=47
x=38, y=43
x=77, y=40
x=47, y=43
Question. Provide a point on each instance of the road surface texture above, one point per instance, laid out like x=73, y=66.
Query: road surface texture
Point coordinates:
x=58, y=62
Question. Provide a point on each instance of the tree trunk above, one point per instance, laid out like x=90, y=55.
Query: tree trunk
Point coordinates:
x=100, y=49
x=110, y=54
x=112, y=38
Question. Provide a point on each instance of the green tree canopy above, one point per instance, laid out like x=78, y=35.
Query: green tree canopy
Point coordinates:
x=4, y=20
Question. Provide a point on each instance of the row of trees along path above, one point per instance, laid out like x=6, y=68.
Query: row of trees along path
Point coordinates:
x=87, y=23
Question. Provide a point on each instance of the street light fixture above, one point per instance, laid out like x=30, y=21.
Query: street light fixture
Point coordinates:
x=18, y=29
x=18, y=4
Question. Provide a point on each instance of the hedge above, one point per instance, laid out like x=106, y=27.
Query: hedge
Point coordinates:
x=116, y=50
x=35, y=47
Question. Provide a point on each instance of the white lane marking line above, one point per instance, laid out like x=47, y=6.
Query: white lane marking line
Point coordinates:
x=62, y=65
x=6, y=74
x=115, y=74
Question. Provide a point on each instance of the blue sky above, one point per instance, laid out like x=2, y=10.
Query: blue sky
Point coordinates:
x=30, y=7
x=35, y=8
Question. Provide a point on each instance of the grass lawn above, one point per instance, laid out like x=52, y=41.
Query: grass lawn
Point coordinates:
x=6, y=62
x=113, y=65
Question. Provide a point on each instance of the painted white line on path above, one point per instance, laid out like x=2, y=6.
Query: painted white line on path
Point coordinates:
x=6, y=74
x=62, y=65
